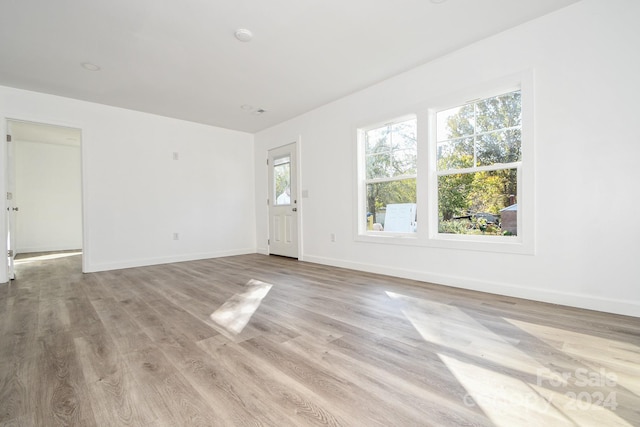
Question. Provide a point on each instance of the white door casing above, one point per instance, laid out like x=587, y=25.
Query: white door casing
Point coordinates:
x=283, y=203
x=18, y=129
x=11, y=205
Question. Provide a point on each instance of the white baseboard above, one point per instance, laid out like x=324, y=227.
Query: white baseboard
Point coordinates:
x=143, y=262
x=609, y=305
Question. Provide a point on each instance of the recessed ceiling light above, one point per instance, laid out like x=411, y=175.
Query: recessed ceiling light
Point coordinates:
x=243, y=35
x=246, y=107
x=259, y=112
x=89, y=66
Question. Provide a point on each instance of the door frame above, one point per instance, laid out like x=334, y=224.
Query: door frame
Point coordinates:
x=9, y=176
x=4, y=126
x=297, y=142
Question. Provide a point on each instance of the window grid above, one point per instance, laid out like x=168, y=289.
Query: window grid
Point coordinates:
x=448, y=171
x=390, y=152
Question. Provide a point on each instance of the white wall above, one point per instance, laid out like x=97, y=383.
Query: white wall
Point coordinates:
x=135, y=196
x=586, y=62
x=49, y=195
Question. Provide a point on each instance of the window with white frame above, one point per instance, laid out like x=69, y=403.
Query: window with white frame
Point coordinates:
x=473, y=163
x=388, y=177
x=478, y=156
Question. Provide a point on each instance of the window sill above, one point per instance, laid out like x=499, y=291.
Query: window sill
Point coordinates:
x=499, y=244
x=410, y=239
x=502, y=244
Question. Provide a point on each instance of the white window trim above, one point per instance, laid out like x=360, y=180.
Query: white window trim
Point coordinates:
x=523, y=243
x=362, y=234
x=427, y=202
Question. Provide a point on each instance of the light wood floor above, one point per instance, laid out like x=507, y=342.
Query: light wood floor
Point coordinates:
x=325, y=346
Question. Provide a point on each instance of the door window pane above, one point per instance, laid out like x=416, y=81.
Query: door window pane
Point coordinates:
x=282, y=178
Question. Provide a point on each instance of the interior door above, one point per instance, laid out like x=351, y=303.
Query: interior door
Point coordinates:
x=283, y=203
x=12, y=209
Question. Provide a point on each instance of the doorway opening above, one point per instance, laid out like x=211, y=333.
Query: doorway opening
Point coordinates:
x=44, y=191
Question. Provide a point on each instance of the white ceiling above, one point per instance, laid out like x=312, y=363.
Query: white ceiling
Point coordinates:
x=179, y=58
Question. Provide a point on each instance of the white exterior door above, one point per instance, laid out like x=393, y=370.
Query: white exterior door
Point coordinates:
x=283, y=203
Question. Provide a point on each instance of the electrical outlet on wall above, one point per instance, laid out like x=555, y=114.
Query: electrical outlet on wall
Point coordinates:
x=333, y=237
x=176, y=236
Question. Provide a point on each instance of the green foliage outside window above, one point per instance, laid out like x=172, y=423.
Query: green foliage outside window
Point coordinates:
x=486, y=133
x=478, y=153
x=391, y=157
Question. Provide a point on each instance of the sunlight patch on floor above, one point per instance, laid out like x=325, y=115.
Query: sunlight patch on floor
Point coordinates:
x=520, y=390
x=457, y=330
x=623, y=365
x=237, y=311
x=47, y=257
x=505, y=400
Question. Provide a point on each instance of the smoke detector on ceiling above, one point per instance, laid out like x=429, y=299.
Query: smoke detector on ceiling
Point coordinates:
x=243, y=35
x=89, y=66
x=253, y=110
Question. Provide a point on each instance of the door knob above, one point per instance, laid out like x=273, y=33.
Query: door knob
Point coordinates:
x=295, y=209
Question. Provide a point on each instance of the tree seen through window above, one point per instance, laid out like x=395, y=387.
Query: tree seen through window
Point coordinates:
x=390, y=156
x=478, y=154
